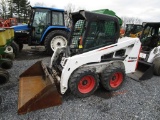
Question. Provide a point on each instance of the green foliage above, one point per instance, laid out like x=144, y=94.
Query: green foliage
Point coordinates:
x=3, y=9
x=20, y=8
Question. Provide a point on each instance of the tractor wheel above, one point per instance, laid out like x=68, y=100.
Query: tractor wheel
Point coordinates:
x=20, y=46
x=15, y=48
x=156, y=63
x=83, y=82
x=4, y=76
x=6, y=64
x=54, y=39
x=113, y=76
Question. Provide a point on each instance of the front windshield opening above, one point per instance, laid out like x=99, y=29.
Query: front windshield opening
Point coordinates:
x=41, y=18
x=100, y=34
x=136, y=29
x=147, y=32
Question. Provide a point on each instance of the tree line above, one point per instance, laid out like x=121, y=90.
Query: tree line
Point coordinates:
x=130, y=20
x=15, y=8
x=21, y=10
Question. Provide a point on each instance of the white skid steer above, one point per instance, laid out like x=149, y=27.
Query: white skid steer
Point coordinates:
x=92, y=56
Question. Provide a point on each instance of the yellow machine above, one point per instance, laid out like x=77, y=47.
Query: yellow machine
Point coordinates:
x=6, y=53
x=133, y=30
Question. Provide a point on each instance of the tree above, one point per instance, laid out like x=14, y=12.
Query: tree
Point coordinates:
x=130, y=20
x=70, y=8
x=8, y=8
x=17, y=7
x=4, y=9
x=11, y=6
x=22, y=8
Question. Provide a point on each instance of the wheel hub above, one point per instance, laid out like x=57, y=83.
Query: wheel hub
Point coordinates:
x=84, y=82
x=58, y=44
x=113, y=78
x=58, y=41
x=116, y=80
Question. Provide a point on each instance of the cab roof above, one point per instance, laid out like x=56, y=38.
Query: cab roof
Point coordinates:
x=82, y=14
x=53, y=9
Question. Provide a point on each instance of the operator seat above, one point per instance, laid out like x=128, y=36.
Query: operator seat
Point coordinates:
x=154, y=41
x=150, y=43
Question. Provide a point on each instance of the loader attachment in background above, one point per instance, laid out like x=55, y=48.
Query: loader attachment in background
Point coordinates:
x=144, y=71
x=37, y=89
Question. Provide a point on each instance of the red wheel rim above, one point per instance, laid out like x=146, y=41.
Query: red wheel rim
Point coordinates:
x=86, y=84
x=116, y=79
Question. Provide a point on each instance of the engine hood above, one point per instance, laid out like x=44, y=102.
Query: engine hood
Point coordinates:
x=21, y=28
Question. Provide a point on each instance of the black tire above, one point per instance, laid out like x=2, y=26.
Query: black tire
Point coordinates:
x=15, y=47
x=4, y=76
x=156, y=63
x=83, y=82
x=113, y=76
x=6, y=64
x=20, y=46
x=52, y=35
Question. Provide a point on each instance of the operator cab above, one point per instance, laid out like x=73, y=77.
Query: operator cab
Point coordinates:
x=150, y=37
x=92, y=31
x=133, y=30
x=41, y=19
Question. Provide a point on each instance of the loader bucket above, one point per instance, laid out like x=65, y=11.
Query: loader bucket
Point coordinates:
x=144, y=71
x=37, y=89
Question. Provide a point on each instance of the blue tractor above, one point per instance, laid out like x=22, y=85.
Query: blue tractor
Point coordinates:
x=45, y=27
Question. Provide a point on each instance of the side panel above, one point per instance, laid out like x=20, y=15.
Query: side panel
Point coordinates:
x=95, y=56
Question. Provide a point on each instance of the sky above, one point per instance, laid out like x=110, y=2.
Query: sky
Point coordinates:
x=146, y=10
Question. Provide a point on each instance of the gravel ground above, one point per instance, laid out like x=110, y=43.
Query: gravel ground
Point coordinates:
x=134, y=101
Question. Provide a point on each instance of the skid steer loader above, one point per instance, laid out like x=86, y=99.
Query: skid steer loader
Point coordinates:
x=92, y=56
x=149, y=59
x=150, y=39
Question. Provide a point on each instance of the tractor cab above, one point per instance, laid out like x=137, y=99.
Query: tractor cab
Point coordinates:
x=45, y=27
x=41, y=19
x=92, y=31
